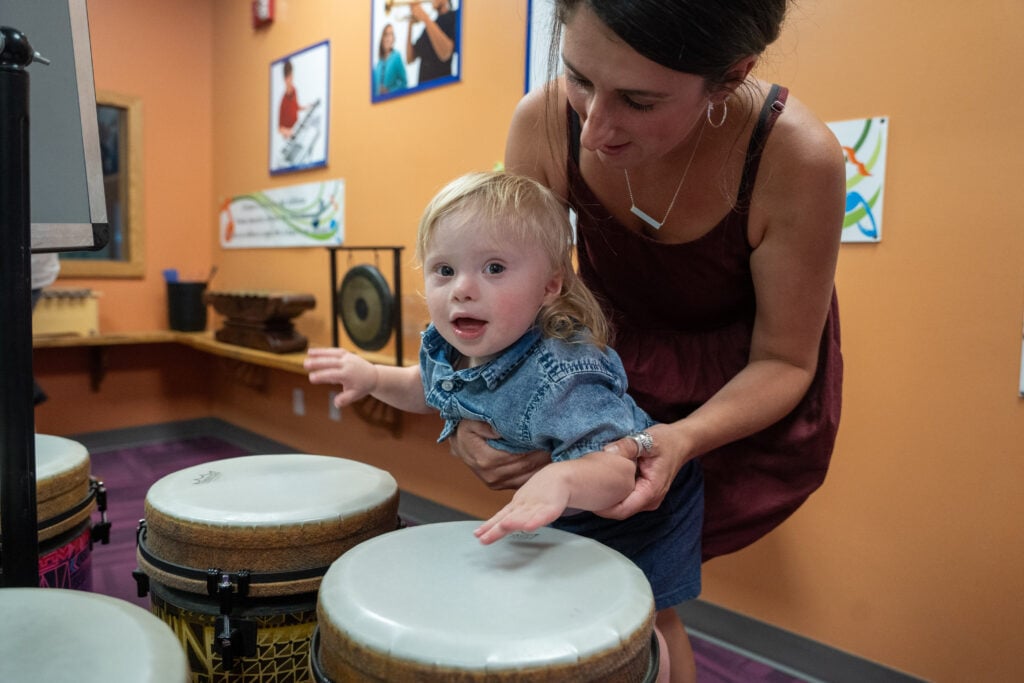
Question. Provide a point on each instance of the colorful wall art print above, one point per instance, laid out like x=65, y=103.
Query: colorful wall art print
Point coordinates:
x=414, y=46
x=864, y=144
x=308, y=215
x=299, y=109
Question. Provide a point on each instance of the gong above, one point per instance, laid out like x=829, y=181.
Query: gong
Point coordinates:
x=366, y=307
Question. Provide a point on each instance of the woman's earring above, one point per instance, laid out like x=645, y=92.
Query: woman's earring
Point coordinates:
x=721, y=121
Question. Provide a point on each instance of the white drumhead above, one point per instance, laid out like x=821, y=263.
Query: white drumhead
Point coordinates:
x=271, y=490
x=435, y=594
x=53, y=634
x=56, y=455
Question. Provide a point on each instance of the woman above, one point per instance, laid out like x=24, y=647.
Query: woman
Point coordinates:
x=709, y=206
x=389, y=74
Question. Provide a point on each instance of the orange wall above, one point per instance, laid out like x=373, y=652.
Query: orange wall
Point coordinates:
x=911, y=553
x=160, y=53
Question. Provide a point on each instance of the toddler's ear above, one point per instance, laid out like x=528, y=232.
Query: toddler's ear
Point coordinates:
x=553, y=288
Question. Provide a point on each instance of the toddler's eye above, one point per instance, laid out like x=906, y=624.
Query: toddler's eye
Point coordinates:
x=495, y=268
x=445, y=271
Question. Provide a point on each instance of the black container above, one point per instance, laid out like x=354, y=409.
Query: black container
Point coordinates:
x=186, y=310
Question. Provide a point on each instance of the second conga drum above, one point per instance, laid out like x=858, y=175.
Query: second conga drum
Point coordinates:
x=66, y=497
x=233, y=552
x=430, y=604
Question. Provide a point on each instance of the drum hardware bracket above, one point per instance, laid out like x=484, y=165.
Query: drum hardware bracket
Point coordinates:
x=141, y=582
x=101, y=531
x=235, y=638
x=219, y=585
x=141, y=578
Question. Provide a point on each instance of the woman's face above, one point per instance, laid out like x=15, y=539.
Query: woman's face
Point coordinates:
x=387, y=39
x=633, y=110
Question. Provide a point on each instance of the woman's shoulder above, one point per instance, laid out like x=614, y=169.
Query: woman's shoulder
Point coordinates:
x=801, y=139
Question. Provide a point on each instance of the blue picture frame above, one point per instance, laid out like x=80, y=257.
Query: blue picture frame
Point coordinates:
x=392, y=73
x=300, y=85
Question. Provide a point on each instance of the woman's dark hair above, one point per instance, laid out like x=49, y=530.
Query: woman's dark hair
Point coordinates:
x=380, y=45
x=701, y=37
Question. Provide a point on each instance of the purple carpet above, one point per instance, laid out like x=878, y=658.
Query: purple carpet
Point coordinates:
x=128, y=473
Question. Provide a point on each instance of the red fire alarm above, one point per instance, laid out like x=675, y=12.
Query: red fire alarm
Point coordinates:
x=262, y=13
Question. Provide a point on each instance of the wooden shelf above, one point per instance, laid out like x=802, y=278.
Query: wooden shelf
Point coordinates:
x=203, y=341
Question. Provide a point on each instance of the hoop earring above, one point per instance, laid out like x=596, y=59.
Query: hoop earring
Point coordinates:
x=721, y=121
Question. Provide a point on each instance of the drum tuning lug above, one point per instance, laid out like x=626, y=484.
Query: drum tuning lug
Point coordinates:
x=234, y=639
x=101, y=530
x=141, y=582
x=242, y=583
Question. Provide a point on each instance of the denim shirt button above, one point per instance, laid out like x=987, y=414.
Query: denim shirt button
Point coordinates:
x=447, y=385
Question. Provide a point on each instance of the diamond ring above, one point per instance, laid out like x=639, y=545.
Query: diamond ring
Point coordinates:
x=644, y=443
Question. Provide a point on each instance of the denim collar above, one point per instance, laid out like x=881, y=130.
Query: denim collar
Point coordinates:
x=493, y=371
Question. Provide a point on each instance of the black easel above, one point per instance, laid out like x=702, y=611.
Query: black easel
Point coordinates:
x=18, y=517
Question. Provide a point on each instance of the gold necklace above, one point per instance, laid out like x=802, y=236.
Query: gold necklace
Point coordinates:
x=643, y=215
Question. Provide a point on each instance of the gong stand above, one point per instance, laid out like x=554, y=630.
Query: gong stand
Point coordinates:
x=363, y=298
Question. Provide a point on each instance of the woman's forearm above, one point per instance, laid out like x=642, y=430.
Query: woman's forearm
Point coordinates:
x=758, y=396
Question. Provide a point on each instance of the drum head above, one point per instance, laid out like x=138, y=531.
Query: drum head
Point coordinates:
x=366, y=307
x=65, y=635
x=433, y=594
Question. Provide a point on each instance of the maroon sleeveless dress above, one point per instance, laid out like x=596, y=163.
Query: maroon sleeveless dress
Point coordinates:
x=683, y=317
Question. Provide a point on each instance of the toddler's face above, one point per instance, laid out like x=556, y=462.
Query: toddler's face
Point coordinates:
x=483, y=293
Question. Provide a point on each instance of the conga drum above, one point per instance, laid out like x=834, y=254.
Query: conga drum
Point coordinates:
x=431, y=603
x=66, y=497
x=232, y=553
x=68, y=635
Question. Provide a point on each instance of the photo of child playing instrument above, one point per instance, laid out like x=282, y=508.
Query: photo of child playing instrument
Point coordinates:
x=517, y=341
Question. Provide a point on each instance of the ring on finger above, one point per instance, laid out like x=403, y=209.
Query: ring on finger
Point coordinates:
x=644, y=443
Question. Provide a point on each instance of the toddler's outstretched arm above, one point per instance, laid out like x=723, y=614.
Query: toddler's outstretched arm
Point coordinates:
x=596, y=481
x=358, y=377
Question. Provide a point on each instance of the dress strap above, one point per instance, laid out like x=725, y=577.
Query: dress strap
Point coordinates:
x=773, y=106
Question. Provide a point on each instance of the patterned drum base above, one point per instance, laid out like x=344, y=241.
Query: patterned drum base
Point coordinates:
x=66, y=561
x=284, y=627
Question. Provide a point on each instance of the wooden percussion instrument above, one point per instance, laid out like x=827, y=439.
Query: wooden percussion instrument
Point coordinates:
x=66, y=635
x=431, y=603
x=233, y=552
x=261, y=320
x=66, y=497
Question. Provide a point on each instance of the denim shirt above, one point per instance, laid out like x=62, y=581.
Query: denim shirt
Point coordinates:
x=566, y=398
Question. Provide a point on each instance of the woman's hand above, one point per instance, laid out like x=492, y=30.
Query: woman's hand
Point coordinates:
x=655, y=471
x=497, y=469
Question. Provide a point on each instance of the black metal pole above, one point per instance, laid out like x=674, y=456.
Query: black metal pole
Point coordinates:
x=17, y=446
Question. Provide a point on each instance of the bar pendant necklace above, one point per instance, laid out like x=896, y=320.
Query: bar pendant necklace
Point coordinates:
x=643, y=215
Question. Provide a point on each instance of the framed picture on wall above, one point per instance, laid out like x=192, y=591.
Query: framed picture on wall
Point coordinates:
x=414, y=46
x=539, y=23
x=299, y=109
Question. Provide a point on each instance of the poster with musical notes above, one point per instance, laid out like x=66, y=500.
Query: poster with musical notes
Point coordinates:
x=306, y=215
x=864, y=144
x=299, y=109
x=414, y=46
